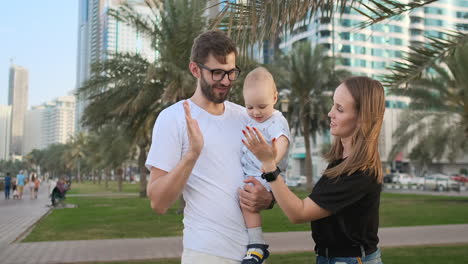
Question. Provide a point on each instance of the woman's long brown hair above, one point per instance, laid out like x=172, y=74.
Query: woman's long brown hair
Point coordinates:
x=369, y=98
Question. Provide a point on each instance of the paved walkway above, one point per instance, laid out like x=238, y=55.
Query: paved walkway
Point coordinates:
x=17, y=216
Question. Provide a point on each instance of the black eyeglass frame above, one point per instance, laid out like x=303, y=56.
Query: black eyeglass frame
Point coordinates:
x=237, y=69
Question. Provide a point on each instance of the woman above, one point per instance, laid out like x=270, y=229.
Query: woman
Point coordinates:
x=343, y=207
x=32, y=185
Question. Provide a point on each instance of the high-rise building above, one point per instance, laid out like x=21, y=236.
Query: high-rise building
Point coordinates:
x=5, y=127
x=33, y=133
x=365, y=51
x=438, y=17
x=371, y=50
x=50, y=123
x=100, y=35
x=18, y=99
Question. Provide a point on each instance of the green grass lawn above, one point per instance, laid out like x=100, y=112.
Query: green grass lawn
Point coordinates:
x=132, y=217
x=454, y=254
x=88, y=187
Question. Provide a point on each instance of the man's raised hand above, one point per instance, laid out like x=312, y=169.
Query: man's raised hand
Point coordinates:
x=193, y=131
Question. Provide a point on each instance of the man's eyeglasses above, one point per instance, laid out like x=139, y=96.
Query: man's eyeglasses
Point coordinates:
x=218, y=74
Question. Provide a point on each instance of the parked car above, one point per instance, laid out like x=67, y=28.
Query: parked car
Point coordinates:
x=291, y=182
x=296, y=181
x=388, y=178
x=459, y=178
x=403, y=179
x=438, y=182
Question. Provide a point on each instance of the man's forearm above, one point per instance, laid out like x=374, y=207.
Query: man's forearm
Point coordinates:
x=166, y=189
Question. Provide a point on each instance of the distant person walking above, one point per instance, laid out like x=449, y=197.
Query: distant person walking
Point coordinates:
x=20, y=182
x=37, y=183
x=32, y=186
x=7, y=186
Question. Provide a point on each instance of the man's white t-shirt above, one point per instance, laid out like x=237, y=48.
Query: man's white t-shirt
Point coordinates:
x=213, y=221
x=274, y=127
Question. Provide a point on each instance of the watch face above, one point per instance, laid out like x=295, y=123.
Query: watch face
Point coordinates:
x=272, y=175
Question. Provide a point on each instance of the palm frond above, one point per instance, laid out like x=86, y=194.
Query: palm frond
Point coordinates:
x=433, y=134
x=420, y=59
x=253, y=21
x=379, y=10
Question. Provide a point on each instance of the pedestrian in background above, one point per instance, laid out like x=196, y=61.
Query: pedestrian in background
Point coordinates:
x=20, y=182
x=7, y=186
x=37, y=183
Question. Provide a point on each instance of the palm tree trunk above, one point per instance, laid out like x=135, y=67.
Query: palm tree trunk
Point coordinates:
x=99, y=175
x=106, y=179
x=308, y=154
x=78, y=171
x=119, y=179
x=141, y=165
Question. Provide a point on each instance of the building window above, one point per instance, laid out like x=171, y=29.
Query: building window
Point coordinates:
x=416, y=32
x=462, y=26
x=346, y=61
x=462, y=14
x=378, y=40
x=345, y=22
x=377, y=52
x=325, y=33
x=462, y=3
x=378, y=64
x=377, y=27
x=344, y=35
x=434, y=22
x=346, y=49
x=416, y=19
x=434, y=10
x=395, y=29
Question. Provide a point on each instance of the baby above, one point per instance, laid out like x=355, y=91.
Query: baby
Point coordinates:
x=260, y=96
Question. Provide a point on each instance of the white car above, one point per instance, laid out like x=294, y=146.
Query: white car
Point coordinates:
x=295, y=181
x=438, y=182
x=291, y=182
x=402, y=179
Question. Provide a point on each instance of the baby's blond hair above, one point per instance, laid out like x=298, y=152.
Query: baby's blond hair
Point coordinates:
x=261, y=74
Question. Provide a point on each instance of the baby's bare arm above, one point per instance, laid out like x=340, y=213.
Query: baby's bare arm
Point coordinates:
x=282, y=144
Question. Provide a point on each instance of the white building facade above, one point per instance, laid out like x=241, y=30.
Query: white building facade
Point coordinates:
x=5, y=127
x=18, y=100
x=50, y=123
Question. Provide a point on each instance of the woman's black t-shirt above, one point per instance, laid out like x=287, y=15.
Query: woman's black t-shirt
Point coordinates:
x=354, y=203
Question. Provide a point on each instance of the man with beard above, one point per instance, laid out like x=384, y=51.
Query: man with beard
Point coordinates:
x=196, y=151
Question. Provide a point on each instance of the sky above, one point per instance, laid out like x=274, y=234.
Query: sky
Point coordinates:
x=41, y=36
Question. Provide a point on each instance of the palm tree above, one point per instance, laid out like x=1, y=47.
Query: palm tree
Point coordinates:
x=54, y=160
x=255, y=21
x=94, y=160
x=34, y=158
x=124, y=90
x=312, y=79
x=118, y=149
x=131, y=91
x=436, y=121
x=172, y=29
x=76, y=153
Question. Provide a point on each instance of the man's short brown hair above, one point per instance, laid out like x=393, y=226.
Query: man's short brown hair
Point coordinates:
x=214, y=42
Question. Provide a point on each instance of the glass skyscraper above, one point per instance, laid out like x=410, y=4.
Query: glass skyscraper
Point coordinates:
x=370, y=50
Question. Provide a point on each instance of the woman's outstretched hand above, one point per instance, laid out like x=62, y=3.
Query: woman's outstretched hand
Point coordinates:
x=257, y=144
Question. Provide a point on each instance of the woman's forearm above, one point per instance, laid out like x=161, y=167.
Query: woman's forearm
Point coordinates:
x=292, y=206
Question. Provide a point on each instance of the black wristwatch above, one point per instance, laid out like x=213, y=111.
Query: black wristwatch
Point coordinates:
x=272, y=175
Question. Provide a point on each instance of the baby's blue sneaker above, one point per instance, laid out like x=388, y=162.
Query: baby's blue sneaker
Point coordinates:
x=256, y=254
